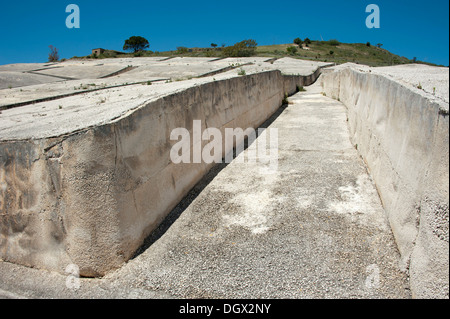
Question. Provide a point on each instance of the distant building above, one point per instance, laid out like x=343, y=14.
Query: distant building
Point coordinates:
x=98, y=51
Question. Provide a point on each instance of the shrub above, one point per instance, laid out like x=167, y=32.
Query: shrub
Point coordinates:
x=291, y=50
x=182, y=50
x=241, y=71
x=210, y=53
x=368, y=44
x=244, y=48
x=285, y=99
x=53, y=56
x=307, y=41
x=334, y=42
x=298, y=41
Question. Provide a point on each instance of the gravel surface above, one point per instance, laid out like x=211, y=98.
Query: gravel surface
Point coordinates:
x=314, y=228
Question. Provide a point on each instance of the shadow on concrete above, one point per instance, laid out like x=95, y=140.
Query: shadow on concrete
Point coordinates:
x=195, y=191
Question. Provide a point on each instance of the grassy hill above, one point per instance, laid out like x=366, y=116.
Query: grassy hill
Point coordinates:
x=327, y=51
x=341, y=53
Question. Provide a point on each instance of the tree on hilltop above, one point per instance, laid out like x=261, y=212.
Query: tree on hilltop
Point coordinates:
x=298, y=41
x=136, y=43
x=53, y=56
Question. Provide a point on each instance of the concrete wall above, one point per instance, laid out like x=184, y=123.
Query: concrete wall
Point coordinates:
x=91, y=198
x=292, y=82
x=403, y=136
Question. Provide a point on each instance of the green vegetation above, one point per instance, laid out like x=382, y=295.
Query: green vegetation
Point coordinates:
x=298, y=41
x=292, y=50
x=136, y=43
x=182, y=50
x=328, y=51
x=334, y=42
x=244, y=48
x=285, y=99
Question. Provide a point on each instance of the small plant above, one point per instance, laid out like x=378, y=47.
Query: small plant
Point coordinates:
x=149, y=82
x=292, y=50
x=324, y=94
x=331, y=52
x=241, y=71
x=334, y=42
x=285, y=99
x=419, y=86
x=300, y=89
x=434, y=90
x=60, y=107
x=53, y=56
x=182, y=50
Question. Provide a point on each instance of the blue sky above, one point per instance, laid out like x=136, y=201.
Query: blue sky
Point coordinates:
x=408, y=28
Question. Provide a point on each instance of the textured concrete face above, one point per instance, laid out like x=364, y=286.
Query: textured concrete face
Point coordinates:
x=89, y=196
x=85, y=178
x=402, y=134
x=313, y=228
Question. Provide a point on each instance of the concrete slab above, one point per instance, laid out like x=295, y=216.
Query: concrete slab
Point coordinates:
x=10, y=79
x=313, y=229
x=84, y=71
x=418, y=77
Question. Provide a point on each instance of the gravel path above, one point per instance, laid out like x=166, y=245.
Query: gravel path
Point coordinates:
x=314, y=228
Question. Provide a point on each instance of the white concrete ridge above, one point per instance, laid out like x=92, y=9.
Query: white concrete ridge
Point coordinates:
x=86, y=176
x=402, y=132
x=314, y=229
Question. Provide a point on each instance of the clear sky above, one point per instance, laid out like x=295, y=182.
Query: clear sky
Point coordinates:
x=408, y=28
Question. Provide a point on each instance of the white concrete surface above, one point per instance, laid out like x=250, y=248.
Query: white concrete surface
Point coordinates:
x=401, y=131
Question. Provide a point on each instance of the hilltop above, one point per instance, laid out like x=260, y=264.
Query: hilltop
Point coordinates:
x=325, y=51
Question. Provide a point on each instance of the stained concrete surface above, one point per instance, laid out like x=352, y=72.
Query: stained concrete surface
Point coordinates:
x=313, y=229
x=18, y=85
